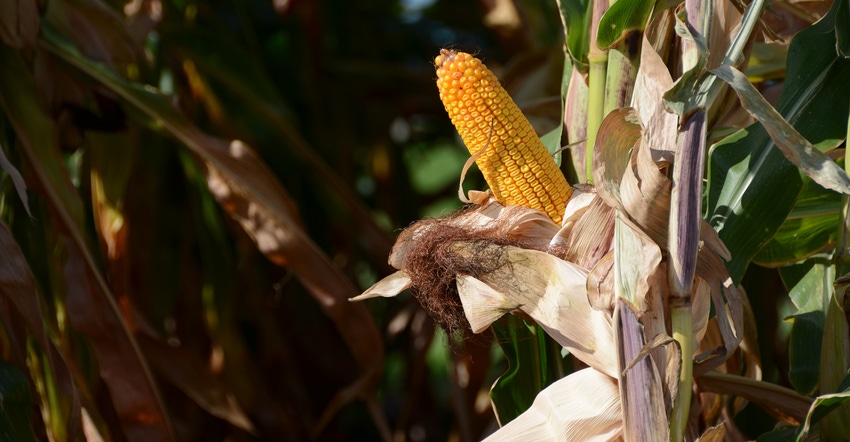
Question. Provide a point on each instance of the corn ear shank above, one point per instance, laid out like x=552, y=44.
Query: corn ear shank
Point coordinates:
x=517, y=166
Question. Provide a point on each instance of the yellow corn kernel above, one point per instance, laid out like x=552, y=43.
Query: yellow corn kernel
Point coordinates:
x=516, y=164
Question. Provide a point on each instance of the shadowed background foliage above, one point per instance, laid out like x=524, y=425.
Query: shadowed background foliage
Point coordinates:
x=174, y=284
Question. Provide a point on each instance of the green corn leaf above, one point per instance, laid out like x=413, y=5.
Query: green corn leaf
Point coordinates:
x=811, y=227
x=622, y=17
x=534, y=362
x=751, y=186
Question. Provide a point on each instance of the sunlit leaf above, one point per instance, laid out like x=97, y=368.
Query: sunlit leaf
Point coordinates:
x=834, y=365
x=576, y=18
x=822, y=407
x=811, y=227
x=810, y=287
x=622, y=17
x=812, y=162
x=751, y=186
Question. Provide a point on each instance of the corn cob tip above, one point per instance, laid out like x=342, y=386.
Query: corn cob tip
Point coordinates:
x=516, y=164
x=446, y=56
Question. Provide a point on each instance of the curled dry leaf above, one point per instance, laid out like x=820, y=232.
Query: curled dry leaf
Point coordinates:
x=653, y=80
x=799, y=151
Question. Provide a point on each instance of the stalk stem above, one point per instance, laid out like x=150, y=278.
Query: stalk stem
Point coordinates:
x=597, y=59
x=683, y=333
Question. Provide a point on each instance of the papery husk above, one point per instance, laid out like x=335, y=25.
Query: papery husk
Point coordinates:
x=589, y=238
x=716, y=433
x=549, y=290
x=646, y=196
x=584, y=406
x=388, y=287
x=653, y=80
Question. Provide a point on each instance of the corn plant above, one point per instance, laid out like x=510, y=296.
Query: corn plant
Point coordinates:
x=193, y=190
x=686, y=176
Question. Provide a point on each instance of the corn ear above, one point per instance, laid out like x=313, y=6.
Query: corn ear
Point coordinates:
x=517, y=166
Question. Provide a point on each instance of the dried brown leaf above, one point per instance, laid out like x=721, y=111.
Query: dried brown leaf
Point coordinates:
x=96, y=29
x=122, y=368
x=617, y=136
x=250, y=193
x=192, y=376
x=716, y=433
x=142, y=412
x=18, y=288
x=652, y=82
x=782, y=403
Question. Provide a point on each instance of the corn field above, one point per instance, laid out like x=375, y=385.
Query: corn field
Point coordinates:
x=423, y=220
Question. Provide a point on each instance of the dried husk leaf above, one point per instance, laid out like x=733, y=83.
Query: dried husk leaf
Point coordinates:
x=388, y=287
x=600, y=283
x=548, y=289
x=575, y=120
x=583, y=196
x=716, y=433
x=482, y=304
x=583, y=406
x=638, y=260
x=646, y=196
x=700, y=308
x=617, y=136
x=727, y=306
x=590, y=237
x=653, y=80
x=782, y=403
